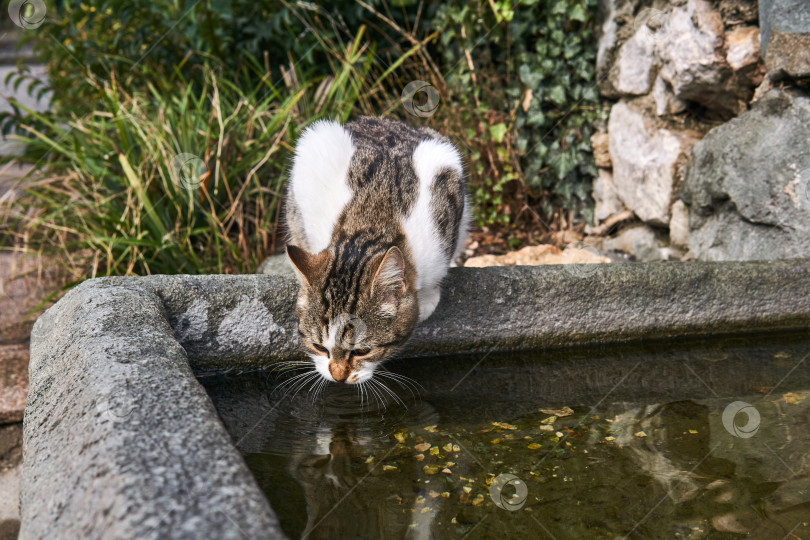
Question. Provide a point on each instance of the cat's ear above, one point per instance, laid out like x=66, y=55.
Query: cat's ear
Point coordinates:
x=390, y=279
x=305, y=264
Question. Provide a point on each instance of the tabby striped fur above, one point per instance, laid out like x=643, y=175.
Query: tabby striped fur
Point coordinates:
x=376, y=211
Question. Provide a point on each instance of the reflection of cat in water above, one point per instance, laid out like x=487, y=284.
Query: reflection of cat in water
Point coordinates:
x=338, y=507
x=348, y=492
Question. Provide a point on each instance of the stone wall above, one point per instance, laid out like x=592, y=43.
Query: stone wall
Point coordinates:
x=707, y=141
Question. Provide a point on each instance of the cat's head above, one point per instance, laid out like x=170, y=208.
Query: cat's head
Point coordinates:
x=350, y=323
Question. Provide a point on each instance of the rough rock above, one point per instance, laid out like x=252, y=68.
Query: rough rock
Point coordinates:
x=689, y=46
x=666, y=102
x=119, y=439
x=743, y=47
x=538, y=255
x=634, y=70
x=13, y=381
x=747, y=186
x=619, y=20
x=638, y=240
x=600, y=142
x=276, y=264
x=565, y=237
x=736, y=12
x=645, y=162
x=605, y=196
x=785, y=37
x=679, y=225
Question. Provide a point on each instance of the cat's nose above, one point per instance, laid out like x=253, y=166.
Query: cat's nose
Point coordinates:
x=339, y=372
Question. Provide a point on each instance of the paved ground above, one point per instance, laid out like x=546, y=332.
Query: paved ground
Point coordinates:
x=10, y=459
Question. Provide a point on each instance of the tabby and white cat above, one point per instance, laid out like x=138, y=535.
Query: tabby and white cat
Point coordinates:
x=376, y=210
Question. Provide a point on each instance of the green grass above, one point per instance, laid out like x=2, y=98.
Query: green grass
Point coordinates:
x=110, y=198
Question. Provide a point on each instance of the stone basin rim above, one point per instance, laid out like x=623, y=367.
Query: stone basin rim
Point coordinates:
x=113, y=397
x=246, y=322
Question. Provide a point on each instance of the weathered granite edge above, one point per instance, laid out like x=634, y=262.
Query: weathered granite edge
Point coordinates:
x=120, y=441
x=111, y=362
x=227, y=322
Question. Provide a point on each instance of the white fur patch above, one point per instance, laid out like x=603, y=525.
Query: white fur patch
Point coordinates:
x=322, y=366
x=431, y=262
x=364, y=373
x=319, y=180
x=331, y=337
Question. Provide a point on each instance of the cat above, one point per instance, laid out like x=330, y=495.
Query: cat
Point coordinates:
x=376, y=210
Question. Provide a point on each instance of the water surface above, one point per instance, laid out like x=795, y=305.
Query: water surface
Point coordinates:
x=582, y=443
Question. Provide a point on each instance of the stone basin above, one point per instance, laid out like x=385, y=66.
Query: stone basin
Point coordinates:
x=121, y=440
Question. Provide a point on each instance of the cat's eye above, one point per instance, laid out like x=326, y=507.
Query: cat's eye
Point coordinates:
x=361, y=352
x=320, y=348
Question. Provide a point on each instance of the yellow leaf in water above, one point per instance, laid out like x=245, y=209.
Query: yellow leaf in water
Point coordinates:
x=389, y=468
x=640, y=434
x=430, y=469
x=456, y=448
x=496, y=441
x=503, y=425
x=422, y=447
x=548, y=421
x=434, y=451
x=420, y=457
x=533, y=446
x=693, y=431
x=400, y=437
x=565, y=411
x=478, y=500
x=793, y=399
x=447, y=447
x=431, y=429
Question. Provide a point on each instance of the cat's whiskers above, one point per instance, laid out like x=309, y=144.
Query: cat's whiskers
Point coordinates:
x=304, y=382
x=319, y=386
x=406, y=382
x=390, y=392
x=291, y=365
x=376, y=393
x=361, y=393
x=294, y=381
